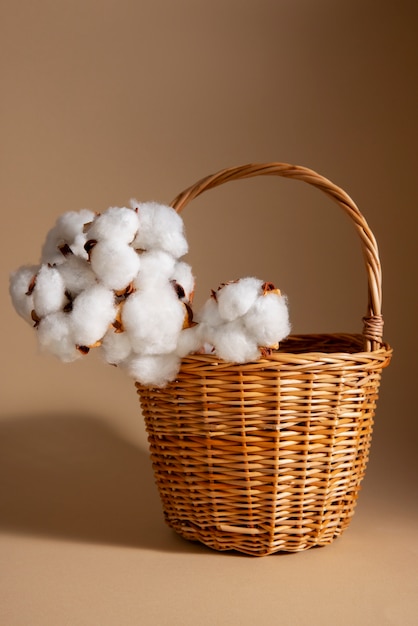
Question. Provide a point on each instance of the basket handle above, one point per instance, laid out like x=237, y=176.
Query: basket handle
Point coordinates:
x=373, y=320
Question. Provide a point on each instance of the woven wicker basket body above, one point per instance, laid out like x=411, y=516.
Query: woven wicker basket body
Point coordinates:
x=269, y=456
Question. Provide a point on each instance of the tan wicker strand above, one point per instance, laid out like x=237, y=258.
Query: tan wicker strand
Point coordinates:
x=269, y=456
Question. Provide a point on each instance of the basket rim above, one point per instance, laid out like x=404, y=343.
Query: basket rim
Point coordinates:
x=315, y=361
x=294, y=358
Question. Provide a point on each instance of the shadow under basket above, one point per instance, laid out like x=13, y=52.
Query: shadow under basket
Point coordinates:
x=268, y=456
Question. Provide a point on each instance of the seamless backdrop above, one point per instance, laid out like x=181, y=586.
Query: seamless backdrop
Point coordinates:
x=106, y=100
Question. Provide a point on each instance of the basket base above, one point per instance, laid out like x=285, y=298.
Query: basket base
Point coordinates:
x=257, y=542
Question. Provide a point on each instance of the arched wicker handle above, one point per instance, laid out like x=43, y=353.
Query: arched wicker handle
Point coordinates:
x=373, y=321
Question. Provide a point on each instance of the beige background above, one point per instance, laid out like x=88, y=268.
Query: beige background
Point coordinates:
x=105, y=100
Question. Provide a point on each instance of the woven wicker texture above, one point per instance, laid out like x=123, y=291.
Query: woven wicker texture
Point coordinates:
x=269, y=456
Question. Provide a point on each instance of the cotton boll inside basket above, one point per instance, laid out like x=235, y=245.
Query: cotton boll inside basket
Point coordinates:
x=160, y=228
x=242, y=317
x=115, y=264
x=93, y=311
x=209, y=314
x=268, y=319
x=232, y=343
x=236, y=298
x=153, y=320
x=157, y=267
x=68, y=230
x=55, y=336
x=118, y=224
x=155, y=370
x=208, y=322
x=49, y=292
x=21, y=286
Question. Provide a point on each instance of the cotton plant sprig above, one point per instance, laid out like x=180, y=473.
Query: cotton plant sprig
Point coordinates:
x=109, y=281
x=115, y=281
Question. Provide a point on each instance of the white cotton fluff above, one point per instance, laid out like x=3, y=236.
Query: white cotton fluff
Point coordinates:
x=160, y=228
x=93, y=311
x=232, y=343
x=68, y=230
x=189, y=341
x=19, y=284
x=155, y=370
x=76, y=274
x=115, y=264
x=49, y=292
x=153, y=320
x=183, y=275
x=209, y=314
x=236, y=298
x=116, y=224
x=156, y=269
x=55, y=336
x=241, y=319
x=116, y=347
x=268, y=319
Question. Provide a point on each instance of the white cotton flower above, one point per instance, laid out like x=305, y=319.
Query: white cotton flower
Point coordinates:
x=68, y=230
x=183, y=275
x=209, y=314
x=115, y=264
x=155, y=370
x=236, y=298
x=119, y=224
x=54, y=335
x=268, y=319
x=160, y=228
x=242, y=318
x=156, y=269
x=49, y=292
x=116, y=346
x=189, y=341
x=232, y=343
x=153, y=320
x=93, y=311
x=21, y=285
x=76, y=274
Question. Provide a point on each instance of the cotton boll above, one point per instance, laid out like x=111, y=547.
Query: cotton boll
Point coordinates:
x=209, y=321
x=189, y=341
x=21, y=287
x=155, y=370
x=156, y=269
x=93, y=311
x=153, y=320
x=236, y=298
x=68, y=230
x=116, y=347
x=209, y=314
x=161, y=228
x=55, y=336
x=232, y=343
x=115, y=264
x=116, y=224
x=76, y=274
x=268, y=319
x=183, y=275
x=49, y=292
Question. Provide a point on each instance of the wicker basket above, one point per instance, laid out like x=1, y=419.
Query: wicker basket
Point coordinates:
x=268, y=456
